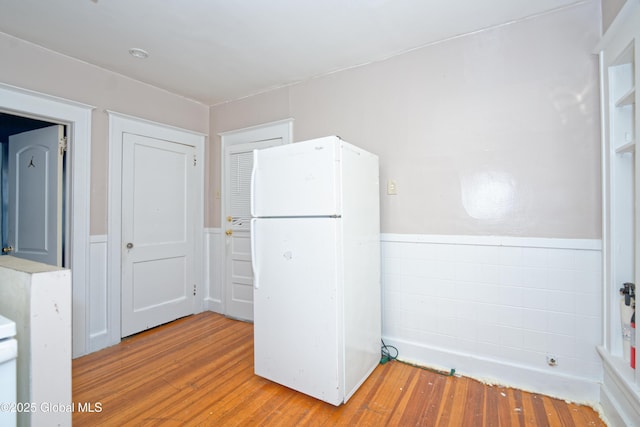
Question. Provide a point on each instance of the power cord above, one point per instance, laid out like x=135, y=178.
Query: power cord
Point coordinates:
x=386, y=353
x=389, y=353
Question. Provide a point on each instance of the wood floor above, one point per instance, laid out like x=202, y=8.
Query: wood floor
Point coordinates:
x=198, y=371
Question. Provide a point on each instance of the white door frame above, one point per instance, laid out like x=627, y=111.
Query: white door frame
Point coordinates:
x=77, y=117
x=119, y=123
x=277, y=129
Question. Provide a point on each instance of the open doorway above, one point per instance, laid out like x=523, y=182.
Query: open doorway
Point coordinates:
x=77, y=120
x=39, y=233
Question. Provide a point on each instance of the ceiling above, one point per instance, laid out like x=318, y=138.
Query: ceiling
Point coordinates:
x=214, y=51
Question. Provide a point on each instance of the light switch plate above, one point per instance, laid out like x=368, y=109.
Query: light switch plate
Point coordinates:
x=392, y=188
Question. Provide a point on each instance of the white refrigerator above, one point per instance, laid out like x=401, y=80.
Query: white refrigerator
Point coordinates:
x=315, y=239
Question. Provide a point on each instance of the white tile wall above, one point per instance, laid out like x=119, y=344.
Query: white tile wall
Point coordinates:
x=499, y=302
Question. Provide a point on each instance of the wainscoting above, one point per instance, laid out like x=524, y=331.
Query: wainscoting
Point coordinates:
x=98, y=311
x=492, y=308
x=214, y=256
x=497, y=308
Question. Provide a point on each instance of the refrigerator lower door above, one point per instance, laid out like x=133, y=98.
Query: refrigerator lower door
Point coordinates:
x=297, y=305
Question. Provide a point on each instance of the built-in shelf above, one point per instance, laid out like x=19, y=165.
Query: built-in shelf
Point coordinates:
x=621, y=115
x=629, y=98
x=629, y=147
x=620, y=392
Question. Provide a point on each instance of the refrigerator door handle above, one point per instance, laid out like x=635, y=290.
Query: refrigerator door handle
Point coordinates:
x=254, y=261
x=252, y=185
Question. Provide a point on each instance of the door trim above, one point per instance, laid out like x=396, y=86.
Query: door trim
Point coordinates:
x=77, y=117
x=119, y=124
x=277, y=129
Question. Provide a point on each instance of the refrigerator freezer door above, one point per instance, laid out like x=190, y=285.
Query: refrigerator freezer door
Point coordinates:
x=301, y=179
x=297, y=323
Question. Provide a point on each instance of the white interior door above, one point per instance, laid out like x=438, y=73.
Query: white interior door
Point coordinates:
x=158, y=225
x=237, y=219
x=35, y=195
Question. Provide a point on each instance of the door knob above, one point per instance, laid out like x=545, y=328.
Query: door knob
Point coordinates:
x=129, y=245
x=229, y=218
x=7, y=249
x=228, y=232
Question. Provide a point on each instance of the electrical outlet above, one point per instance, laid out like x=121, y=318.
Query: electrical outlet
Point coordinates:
x=552, y=360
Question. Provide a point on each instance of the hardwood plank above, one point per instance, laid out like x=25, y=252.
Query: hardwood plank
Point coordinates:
x=517, y=407
x=198, y=371
x=583, y=418
x=492, y=406
x=383, y=395
x=385, y=401
x=454, y=403
x=424, y=402
x=564, y=415
x=510, y=407
x=474, y=408
x=539, y=411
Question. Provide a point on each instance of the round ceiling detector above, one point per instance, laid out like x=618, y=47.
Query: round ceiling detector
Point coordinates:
x=138, y=53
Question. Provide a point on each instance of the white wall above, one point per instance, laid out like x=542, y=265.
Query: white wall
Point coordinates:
x=491, y=133
x=610, y=9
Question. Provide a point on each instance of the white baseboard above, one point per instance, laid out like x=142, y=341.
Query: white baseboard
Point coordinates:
x=488, y=371
x=214, y=305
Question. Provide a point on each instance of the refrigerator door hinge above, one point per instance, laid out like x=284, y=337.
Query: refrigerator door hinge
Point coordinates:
x=62, y=145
